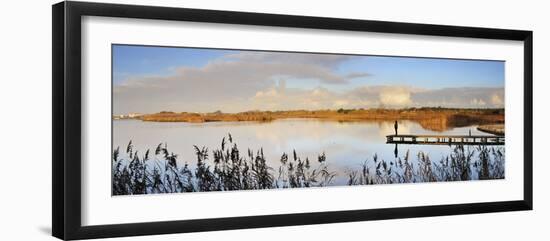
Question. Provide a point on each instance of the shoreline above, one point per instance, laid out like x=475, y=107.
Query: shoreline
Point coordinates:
x=438, y=119
x=496, y=129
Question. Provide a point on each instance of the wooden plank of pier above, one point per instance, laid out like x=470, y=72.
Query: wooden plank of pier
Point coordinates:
x=446, y=139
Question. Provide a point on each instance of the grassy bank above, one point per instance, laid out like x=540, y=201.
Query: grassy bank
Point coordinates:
x=229, y=168
x=496, y=129
x=438, y=119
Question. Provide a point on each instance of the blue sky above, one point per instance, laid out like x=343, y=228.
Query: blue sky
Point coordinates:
x=253, y=74
x=429, y=72
x=135, y=61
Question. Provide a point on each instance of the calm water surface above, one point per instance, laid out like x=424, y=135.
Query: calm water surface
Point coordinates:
x=346, y=144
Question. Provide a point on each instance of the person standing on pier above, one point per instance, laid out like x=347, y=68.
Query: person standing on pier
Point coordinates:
x=395, y=126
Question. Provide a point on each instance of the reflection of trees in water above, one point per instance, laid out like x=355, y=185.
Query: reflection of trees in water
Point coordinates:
x=443, y=123
x=228, y=168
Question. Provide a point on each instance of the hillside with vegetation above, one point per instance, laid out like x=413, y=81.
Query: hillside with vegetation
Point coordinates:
x=438, y=119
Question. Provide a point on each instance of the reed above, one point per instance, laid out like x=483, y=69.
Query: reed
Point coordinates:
x=227, y=169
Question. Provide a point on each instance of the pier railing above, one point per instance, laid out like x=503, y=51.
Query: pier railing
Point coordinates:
x=446, y=139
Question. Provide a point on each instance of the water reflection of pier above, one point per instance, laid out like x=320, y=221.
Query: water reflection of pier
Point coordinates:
x=445, y=139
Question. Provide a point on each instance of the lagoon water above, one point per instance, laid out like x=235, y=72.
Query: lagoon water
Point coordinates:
x=346, y=144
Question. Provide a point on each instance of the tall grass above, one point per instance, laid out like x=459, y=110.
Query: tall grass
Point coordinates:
x=462, y=164
x=226, y=169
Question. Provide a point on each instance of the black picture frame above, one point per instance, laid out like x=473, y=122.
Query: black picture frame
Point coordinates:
x=66, y=127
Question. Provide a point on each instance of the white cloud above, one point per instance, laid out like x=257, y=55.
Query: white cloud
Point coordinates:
x=477, y=102
x=376, y=96
x=496, y=99
x=471, y=97
x=225, y=83
x=395, y=97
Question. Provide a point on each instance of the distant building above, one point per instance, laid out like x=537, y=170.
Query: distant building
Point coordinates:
x=128, y=116
x=134, y=115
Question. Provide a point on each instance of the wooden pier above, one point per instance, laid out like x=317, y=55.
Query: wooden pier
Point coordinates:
x=446, y=139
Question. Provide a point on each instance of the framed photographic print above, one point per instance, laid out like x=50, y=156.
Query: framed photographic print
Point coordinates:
x=170, y=120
